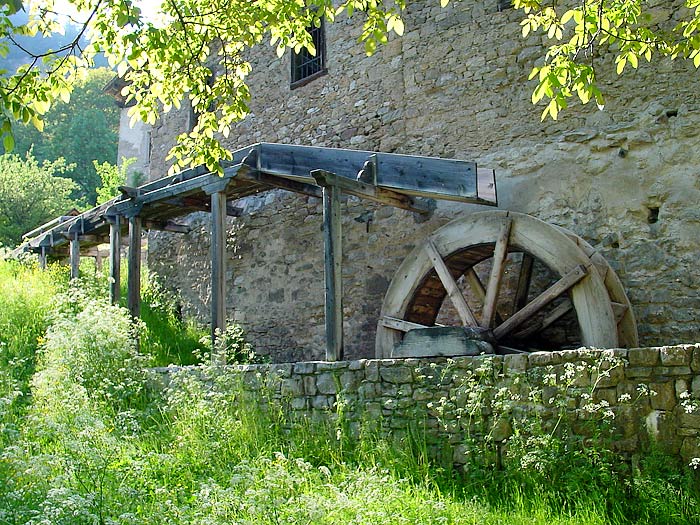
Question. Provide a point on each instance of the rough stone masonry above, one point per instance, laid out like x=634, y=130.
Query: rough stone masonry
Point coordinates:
x=646, y=394
x=455, y=85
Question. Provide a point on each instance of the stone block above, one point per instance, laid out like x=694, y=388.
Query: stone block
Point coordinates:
x=695, y=359
x=689, y=420
x=397, y=374
x=682, y=387
x=695, y=387
x=324, y=366
x=322, y=402
x=665, y=398
x=367, y=390
x=299, y=403
x=671, y=371
x=643, y=357
x=676, y=356
x=372, y=371
x=639, y=372
x=349, y=381
x=515, y=364
x=326, y=383
x=292, y=387
x=608, y=378
x=690, y=449
x=540, y=359
x=309, y=385
x=307, y=367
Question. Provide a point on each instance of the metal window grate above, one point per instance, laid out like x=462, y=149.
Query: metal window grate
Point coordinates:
x=304, y=64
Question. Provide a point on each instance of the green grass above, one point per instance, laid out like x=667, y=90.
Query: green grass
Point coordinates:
x=93, y=445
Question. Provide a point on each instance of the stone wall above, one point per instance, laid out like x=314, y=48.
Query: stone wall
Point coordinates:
x=455, y=85
x=645, y=393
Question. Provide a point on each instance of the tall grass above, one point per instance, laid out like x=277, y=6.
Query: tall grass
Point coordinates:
x=94, y=444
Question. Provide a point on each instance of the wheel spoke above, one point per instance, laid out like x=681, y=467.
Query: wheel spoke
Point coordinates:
x=524, y=279
x=542, y=300
x=465, y=313
x=500, y=252
x=477, y=288
x=552, y=317
x=399, y=324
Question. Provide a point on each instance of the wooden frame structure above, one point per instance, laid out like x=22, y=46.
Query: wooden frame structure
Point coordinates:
x=326, y=173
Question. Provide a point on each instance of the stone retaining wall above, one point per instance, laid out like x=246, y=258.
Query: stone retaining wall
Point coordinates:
x=645, y=394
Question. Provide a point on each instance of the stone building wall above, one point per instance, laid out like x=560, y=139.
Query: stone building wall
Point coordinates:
x=647, y=394
x=455, y=85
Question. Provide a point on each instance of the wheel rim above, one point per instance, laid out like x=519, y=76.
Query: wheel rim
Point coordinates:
x=429, y=276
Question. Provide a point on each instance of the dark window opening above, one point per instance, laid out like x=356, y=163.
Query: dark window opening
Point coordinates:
x=653, y=215
x=502, y=5
x=305, y=66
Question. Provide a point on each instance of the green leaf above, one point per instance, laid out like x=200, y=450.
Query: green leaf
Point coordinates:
x=8, y=142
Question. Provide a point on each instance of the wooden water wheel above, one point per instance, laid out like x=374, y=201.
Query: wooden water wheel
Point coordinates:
x=518, y=282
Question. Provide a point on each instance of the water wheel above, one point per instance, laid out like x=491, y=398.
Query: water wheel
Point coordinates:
x=517, y=282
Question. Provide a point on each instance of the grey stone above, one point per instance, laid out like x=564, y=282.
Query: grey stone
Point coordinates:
x=396, y=374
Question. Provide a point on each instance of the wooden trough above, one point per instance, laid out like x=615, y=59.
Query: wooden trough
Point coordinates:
x=444, y=266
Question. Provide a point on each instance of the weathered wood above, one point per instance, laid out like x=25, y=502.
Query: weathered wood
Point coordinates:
x=478, y=290
x=619, y=310
x=500, y=252
x=74, y=257
x=134, y=274
x=276, y=181
x=439, y=341
x=542, y=300
x=218, y=273
x=42, y=258
x=367, y=191
x=524, y=278
x=167, y=226
x=453, y=292
x=421, y=176
x=332, y=236
x=115, y=241
x=552, y=317
x=399, y=324
x=471, y=234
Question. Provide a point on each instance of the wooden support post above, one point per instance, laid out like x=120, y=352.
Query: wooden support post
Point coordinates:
x=74, y=256
x=115, y=243
x=332, y=236
x=218, y=273
x=134, y=275
x=42, y=258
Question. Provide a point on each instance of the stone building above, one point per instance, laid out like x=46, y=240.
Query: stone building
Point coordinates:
x=455, y=85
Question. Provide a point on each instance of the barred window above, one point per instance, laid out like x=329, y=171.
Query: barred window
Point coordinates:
x=305, y=66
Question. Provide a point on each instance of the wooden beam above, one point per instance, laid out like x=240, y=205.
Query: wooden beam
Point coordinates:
x=74, y=257
x=500, y=252
x=167, y=226
x=454, y=293
x=42, y=258
x=542, y=300
x=524, y=278
x=115, y=241
x=368, y=191
x=332, y=236
x=134, y=275
x=218, y=273
x=399, y=324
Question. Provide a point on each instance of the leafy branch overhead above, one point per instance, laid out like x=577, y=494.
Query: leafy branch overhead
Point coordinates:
x=198, y=52
x=631, y=30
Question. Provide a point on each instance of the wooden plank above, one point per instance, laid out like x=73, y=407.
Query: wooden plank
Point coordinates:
x=422, y=176
x=218, y=273
x=166, y=226
x=74, y=257
x=542, y=300
x=488, y=315
x=276, y=181
x=524, y=278
x=453, y=292
x=619, y=310
x=134, y=274
x=332, y=236
x=367, y=191
x=115, y=241
x=399, y=324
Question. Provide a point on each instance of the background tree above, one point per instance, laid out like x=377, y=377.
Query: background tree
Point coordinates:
x=82, y=131
x=31, y=193
x=112, y=177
